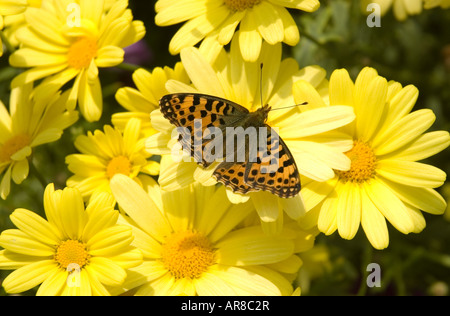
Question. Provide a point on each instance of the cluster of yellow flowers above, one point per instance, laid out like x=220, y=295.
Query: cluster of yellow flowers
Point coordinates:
x=115, y=230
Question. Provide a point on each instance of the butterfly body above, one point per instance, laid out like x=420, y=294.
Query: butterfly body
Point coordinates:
x=270, y=168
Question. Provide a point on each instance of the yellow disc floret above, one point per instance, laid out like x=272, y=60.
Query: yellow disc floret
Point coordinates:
x=187, y=254
x=363, y=164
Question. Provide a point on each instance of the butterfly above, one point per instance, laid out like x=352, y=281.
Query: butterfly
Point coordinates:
x=273, y=169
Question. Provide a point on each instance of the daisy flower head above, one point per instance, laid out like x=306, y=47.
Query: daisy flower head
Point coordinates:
x=77, y=250
x=67, y=41
x=316, y=150
x=105, y=153
x=192, y=245
x=385, y=180
x=401, y=8
x=30, y=122
x=142, y=101
x=214, y=22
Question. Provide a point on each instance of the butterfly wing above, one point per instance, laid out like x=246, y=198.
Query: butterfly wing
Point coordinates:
x=231, y=174
x=275, y=169
x=198, y=112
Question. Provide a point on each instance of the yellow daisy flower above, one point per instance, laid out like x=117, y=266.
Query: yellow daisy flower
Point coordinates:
x=15, y=21
x=214, y=22
x=31, y=122
x=60, y=45
x=429, y=4
x=142, y=101
x=191, y=245
x=385, y=180
x=316, y=150
x=103, y=154
x=76, y=251
x=401, y=8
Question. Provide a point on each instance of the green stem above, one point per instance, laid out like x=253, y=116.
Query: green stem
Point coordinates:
x=38, y=175
x=7, y=43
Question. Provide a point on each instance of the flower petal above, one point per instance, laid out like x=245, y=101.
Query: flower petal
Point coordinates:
x=411, y=173
x=403, y=131
x=348, y=209
x=390, y=206
x=34, y=225
x=251, y=246
x=425, y=199
x=29, y=276
x=374, y=223
x=139, y=206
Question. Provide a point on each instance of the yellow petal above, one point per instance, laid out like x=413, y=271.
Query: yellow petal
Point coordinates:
x=250, y=40
x=390, y=206
x=250, y=246
x=424, y=146
x=18, y=241
x=403, y=131
x=373, y=223
x=29, y=276
x=270, y=25
x=411, y=173
x=341, y=88
x=34, y=225
x=425, y=199
x=139, y=206
x=348, y=210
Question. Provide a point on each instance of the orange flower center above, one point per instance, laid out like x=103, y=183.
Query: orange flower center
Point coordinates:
x=82, y=52
x=187, y=254
x=240, y=5
x=119, y=164
x=363, y=164
x=13, y=145
x=70, y=253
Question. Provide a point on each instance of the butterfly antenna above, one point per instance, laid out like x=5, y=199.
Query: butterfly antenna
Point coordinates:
x=290, y=106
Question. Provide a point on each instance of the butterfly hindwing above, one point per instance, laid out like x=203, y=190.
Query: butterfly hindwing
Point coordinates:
x=275, y=169
x=231, y=174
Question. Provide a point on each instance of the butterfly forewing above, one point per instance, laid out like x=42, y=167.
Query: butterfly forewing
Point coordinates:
x=188, y=109
x=273, y=169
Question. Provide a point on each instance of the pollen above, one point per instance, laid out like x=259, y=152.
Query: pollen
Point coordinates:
x=71, y=252
x=240, y=5
x=81, y=52
x=363, y=164
x=119, y=164
x=187, y=254
x=13, y=145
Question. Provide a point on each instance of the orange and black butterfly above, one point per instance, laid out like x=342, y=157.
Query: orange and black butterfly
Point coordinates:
x=242, y=176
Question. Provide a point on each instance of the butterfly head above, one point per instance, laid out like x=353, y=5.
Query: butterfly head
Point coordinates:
x=263, y=112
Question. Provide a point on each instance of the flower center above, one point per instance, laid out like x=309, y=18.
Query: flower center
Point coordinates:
x=71, y=252
x=187, y=254
x=82, y=52
x=119, y=164
x=13, y=145
x=240, y=5
x=363, y=163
